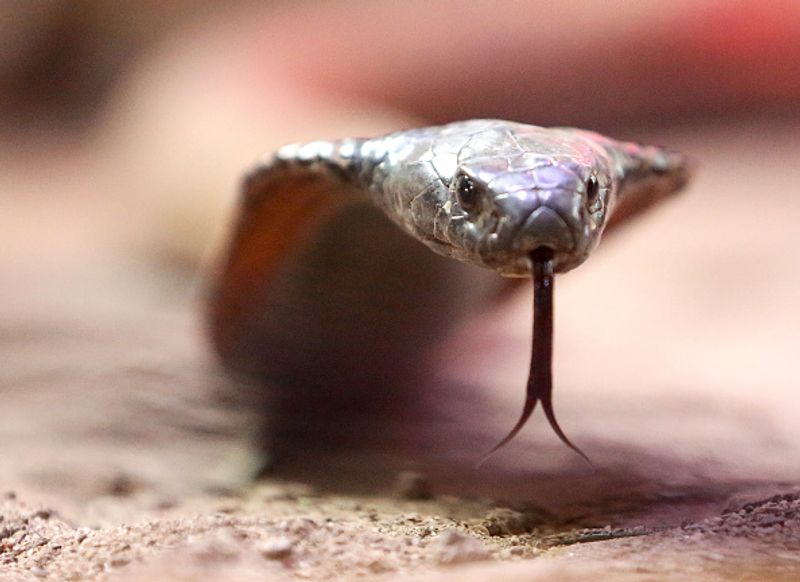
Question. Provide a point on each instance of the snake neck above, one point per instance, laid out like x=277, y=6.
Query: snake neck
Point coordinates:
x=341, y=159
x=645, y=176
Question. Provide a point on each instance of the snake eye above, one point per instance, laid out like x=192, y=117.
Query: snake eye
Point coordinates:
x=592, y=190
x=467, y=192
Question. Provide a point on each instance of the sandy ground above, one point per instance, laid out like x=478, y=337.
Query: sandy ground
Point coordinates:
x=125, y=453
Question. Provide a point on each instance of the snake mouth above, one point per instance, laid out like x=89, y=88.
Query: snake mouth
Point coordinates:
x=510, y=250
x=544, y=228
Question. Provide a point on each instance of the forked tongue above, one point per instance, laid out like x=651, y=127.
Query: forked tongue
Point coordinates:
x=540, y=377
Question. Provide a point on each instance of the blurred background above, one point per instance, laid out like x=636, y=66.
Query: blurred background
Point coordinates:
x=124, y=128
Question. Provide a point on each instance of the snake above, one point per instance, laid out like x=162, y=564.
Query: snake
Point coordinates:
x=328, y=285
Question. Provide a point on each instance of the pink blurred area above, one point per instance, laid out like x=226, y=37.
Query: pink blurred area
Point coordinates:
x=567, y=62
x=159, y=105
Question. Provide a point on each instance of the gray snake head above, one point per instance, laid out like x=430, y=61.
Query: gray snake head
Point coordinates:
x=490, y=192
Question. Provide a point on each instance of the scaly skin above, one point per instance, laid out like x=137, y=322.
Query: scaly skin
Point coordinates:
x=532, y=186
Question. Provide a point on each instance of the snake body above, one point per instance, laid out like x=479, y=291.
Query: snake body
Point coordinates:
x=319, y=294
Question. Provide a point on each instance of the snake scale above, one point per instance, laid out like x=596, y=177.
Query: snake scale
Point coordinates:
x=322, y=294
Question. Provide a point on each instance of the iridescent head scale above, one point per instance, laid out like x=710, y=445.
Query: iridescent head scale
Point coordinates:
x=520, y=200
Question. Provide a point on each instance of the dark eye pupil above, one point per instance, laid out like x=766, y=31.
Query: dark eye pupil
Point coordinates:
x=592, y=189
x=467, y=193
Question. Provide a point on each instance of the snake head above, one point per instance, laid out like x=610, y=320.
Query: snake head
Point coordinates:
x=502, y=214
x=490, y=192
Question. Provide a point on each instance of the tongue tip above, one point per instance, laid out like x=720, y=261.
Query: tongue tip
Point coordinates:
x=547, y=406
x=527, y=410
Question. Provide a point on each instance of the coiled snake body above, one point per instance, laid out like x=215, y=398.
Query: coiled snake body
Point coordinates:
x=321, y=295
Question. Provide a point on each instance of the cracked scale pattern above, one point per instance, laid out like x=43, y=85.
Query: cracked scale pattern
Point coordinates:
x=535, y=186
